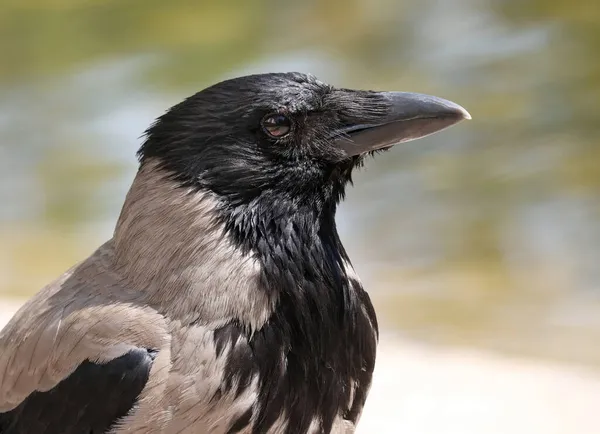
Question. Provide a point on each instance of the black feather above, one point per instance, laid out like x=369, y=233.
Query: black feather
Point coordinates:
x=316, y=354
x=89, y=401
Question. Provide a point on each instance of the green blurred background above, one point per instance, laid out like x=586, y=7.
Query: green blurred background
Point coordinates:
x=486, y=235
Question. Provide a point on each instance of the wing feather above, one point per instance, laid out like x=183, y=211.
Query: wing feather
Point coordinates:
x=84, y=343
x=90, y=400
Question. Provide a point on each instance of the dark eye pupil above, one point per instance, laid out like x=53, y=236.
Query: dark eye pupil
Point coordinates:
x=276, y=125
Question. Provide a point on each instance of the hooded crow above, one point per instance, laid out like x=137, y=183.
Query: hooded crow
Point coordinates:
x=225, y=301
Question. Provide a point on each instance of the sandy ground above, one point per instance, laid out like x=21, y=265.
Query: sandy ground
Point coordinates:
x=424, y=390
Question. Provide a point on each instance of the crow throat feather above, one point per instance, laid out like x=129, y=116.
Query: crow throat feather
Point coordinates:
x=307, y=372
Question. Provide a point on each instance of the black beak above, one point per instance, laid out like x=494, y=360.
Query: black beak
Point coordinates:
x=410, y=116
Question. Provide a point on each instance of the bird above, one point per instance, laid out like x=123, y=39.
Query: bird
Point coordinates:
x=225, y=301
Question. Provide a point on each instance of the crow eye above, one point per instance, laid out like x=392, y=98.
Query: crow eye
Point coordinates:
x=276, y=125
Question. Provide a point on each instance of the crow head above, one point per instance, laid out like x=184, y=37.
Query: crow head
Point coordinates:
x=286, y=136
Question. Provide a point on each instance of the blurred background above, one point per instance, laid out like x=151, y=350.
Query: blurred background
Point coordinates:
x=483, y=238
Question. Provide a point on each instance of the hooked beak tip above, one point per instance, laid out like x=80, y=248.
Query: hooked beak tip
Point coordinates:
x=461, y=111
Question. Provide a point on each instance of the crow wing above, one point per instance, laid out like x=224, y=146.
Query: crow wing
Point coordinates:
x=77, y=356
x=90, y=400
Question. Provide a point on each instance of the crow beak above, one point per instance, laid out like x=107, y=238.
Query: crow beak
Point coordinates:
x=410, y=116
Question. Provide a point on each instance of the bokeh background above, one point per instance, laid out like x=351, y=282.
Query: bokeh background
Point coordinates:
x=485, y=237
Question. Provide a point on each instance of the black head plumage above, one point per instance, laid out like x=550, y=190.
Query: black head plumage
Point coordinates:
x=215, y=139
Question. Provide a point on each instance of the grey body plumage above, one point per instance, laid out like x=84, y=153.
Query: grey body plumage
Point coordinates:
x=225, y=301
